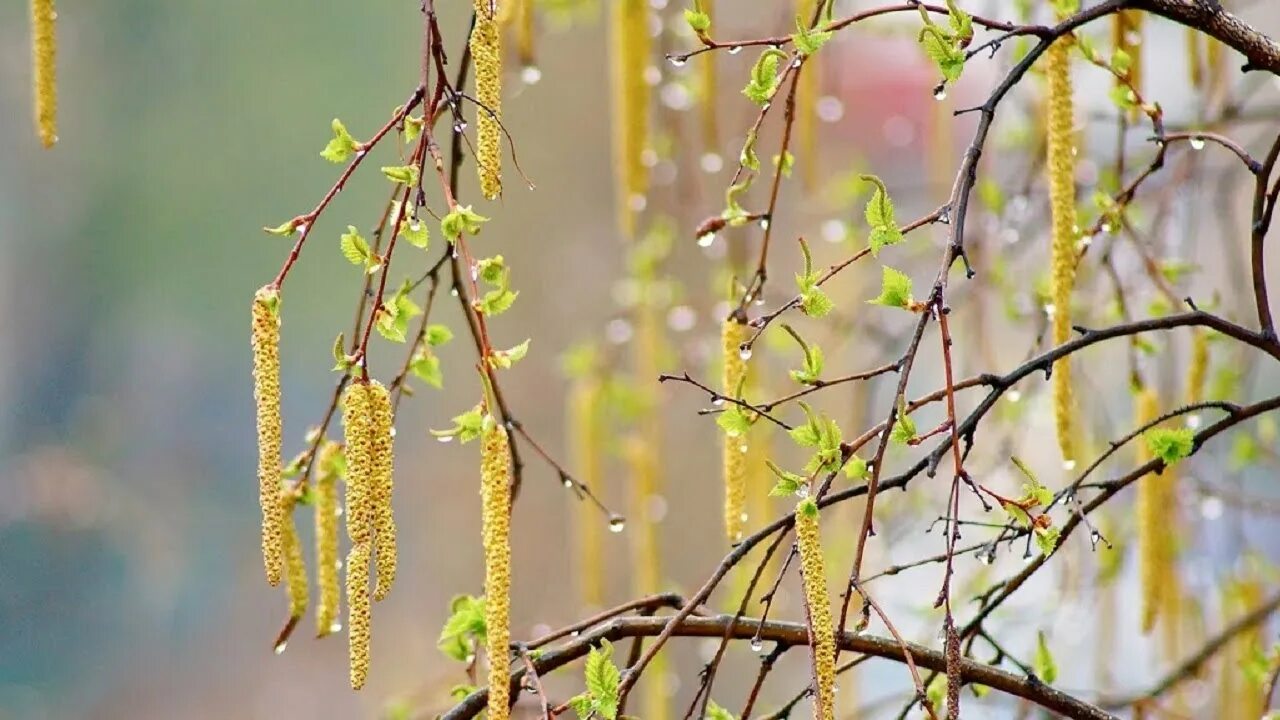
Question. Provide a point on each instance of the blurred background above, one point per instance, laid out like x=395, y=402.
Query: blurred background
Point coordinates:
x=130, y=578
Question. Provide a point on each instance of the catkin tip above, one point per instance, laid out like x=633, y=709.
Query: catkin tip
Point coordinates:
x=265, y=342
x=359, y=620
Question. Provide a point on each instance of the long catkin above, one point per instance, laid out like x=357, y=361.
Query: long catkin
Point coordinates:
x=735, y=447
x=44, y=54
x=1151, y=555
x=266, y=394
x=357, y=424
x=380, y=489
x=486, y=53
x=707, y=91
x=1062, y=201
x=495, y=489
x=822, y=644
x=629, y=46
x=585, y=438
x=326, y=532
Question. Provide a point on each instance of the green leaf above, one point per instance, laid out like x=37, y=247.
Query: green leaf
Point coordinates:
x=356, y=250
x=1170, y=445
x=895, y=289
x=581, y=704
x=464, y=629
x=412, y=128
x=1121, y=62
x=879, y=214
x=943, y=50
x=788, y=483
x=603, y=678
x=426, y=366
x=813, y=360
x=466, y=427
x=438, y=335
x=787, y=160
x=1045, y=668
x=735, y=420
x=764, y=77
x=394, y=316
x=402, y=174
x=341, y=361
x=904, y=430
x=414, y=231
x=285, y=228
x=856, y=468
x=492, y=270
x=461, y=219
x=699, y=21
x=341, y=147
x=748, y=158
x=814, y=302
x=506, y=358
x=496, y=302
x=715, y=712
x=809, y=41
x=1047, y=538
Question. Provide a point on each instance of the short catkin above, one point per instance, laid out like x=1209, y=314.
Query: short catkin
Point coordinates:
x=380, y=489
x=586, y=440
x=495, y=491
x=734, y=460
x=44, y=53
x=1062, y=203
x=629, y=46
x=1151, y=552
x=486, y=53
x=822, y=644
x=326, y=532
x=266, y=394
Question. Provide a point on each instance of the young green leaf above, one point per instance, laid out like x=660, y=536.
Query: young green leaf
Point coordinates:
x=461, y=219
x=438, y=335
x=904, y=430
x=603, y=678
x=506, y=358
x=788, y=483
x=402, y=174
x=699, y=21
x=735, y=420
x=356, y=250
x=466, y=427
x=715, y=712
x=426, y=366
x=465, y=628
x=1045, y=668
x=895, y=289
x=764, y=77
x=808, y=41
x=879, y=214
x=342, y=146
x=1170, y=445
x=285, y=228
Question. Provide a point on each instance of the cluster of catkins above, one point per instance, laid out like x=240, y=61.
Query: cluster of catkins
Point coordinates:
x=366, y=419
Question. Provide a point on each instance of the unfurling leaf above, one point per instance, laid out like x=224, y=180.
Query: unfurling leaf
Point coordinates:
x=342, y=146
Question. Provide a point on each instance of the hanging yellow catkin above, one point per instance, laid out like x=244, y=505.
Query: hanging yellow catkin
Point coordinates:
x=734, y=460
x=809, y=83
x=295, y=566
x=817, y=601
x=357, y=425
x=326, y=532
x=1195, y=59
x=44, y=53
x=1198, y=367
x=495, y=489
x=486, y=53
x=525, y=36
x=1150, y=516
x=1062, y=201
x=1240, y=698
x=585, y=439
x=266, y=395
x=1126, y=35
x=629, y=46
x=380, y=489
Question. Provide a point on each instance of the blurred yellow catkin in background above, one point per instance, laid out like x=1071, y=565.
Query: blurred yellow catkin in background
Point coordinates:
x=1062, y=202
x=809, y=84
x=629, y=47
x=44, y=54
x=1153, y=555
x=585, y=438
x=265, y=341
x=295, y=566
x=735, y=446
